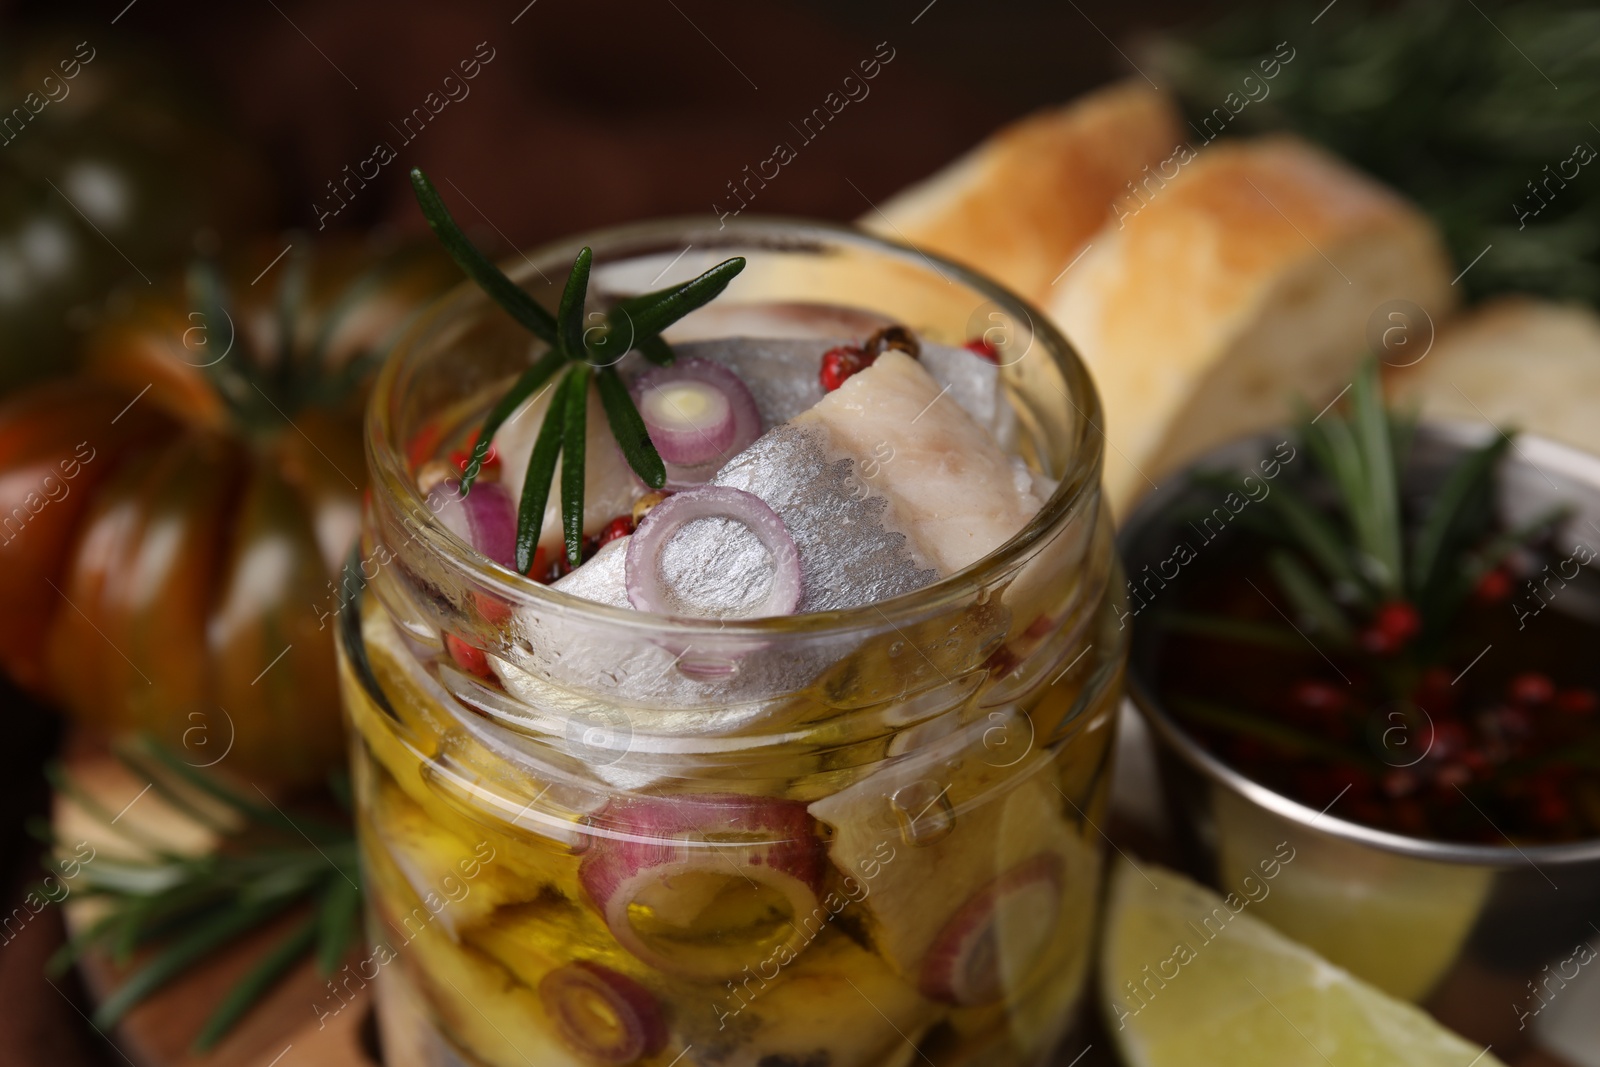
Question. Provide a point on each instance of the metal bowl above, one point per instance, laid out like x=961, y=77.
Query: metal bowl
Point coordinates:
x=1489, y=938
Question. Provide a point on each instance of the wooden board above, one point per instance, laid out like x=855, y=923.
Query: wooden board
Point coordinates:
x=285, y=1029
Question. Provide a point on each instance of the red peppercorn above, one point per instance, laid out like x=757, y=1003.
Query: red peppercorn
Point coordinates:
x=1577, y=701
x=1531, y=688
x=1449, y=738
x=422, y=446
x=621, y=526
x=1399, y=783
x=1319, y=697
x=1550, y=805
x=896, y=337
x=539, y=569
x=1251, y=752
x=1434, y=694
x=1394, y=624
x=840, y=363
x=559, y=566
x=1322, y=784
x=1411, y=817
x=492, y=608
x=1493, y=587
x=469, y=659
x=1553, y=810
x=1369, y=812
x=1514, y=722
x=462, y=457
x=1357, y=779
x=1001, y=662
x=981, y=347
x=1433, y=687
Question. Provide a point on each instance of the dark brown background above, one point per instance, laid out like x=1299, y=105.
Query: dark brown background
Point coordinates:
x=592, y=112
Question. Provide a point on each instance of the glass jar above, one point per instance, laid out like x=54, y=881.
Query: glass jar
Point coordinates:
x=837, y=839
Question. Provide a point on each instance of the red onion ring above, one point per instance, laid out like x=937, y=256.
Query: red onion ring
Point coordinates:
x=963, y=966
x=643, y=566
x=693, y=453
x=690, y=422
x=486, y=519
x=603, y=1015
x=672, y=857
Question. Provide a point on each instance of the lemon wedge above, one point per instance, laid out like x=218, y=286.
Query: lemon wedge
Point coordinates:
x=1186, y=980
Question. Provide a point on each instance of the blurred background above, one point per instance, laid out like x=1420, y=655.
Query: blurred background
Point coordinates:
x=602, y=112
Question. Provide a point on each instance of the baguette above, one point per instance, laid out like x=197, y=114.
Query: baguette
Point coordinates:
x=1022, y=203
x=1517, y=363
x=1209, y=305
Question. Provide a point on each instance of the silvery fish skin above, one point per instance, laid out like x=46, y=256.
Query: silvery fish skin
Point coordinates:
x=834, y=504
x=953, y=489
x=974, y=383
x=849, y=556
x=782, y=375
x=635, y=683
x=850, y=552
x=847, y=553
x=850, y=548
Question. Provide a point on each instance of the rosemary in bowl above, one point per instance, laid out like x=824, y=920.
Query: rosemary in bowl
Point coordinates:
x=1371, y=632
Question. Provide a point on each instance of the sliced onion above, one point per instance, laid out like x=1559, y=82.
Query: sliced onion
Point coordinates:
x=486, y=518
x=695, y=442
x=601, y=1014
x=700, y=886
x=690, y=422
x=645, y=589
x=993, y=939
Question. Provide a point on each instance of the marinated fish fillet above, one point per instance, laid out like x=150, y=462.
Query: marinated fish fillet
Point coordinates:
x=951, y=487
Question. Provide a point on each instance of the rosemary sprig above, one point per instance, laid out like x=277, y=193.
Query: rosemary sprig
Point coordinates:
x=628, y=427
x=576, y=355
x=1271, y=731
x=1342, y=565
x=1224, y=628
x=541, y=471
x=574, y=435
x=1436, y=100
x=479, y=267
x=189, y=906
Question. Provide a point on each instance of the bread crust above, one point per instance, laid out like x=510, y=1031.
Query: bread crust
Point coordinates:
x=1019, y=205
x=1517, y=362
x=1191, y=298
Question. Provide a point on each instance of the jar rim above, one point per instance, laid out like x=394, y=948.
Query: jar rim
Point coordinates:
x=1076, y=494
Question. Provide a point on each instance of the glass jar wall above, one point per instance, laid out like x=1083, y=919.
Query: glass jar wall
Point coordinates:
x=837, y=838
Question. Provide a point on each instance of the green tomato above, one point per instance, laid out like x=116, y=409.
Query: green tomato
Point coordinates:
x=107, y=172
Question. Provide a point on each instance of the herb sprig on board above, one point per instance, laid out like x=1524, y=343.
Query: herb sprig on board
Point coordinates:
x=185, y=906
x=1457, y=106
x=578, y=355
